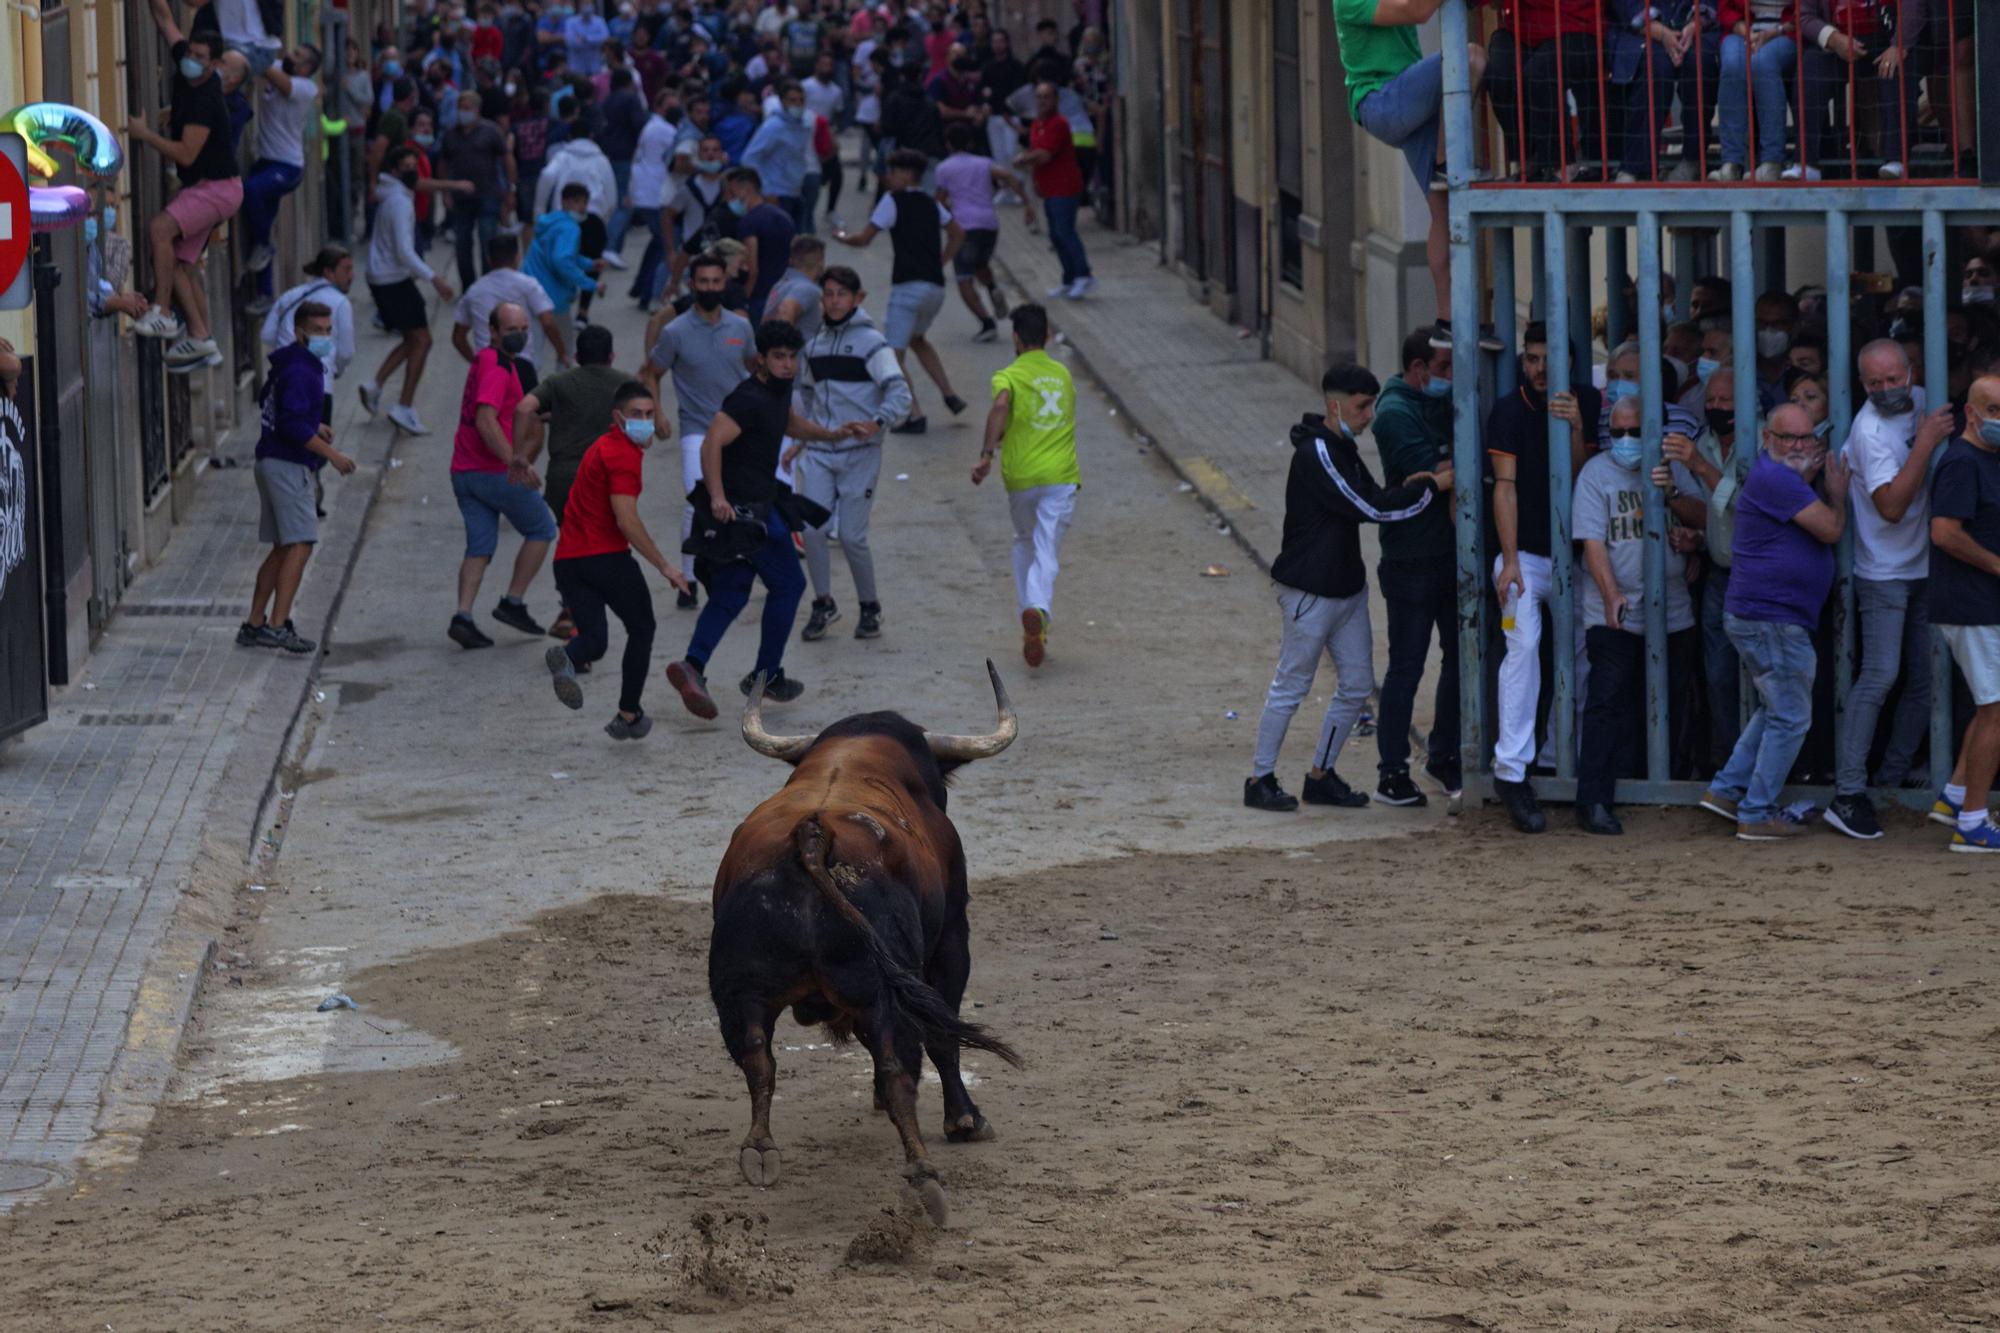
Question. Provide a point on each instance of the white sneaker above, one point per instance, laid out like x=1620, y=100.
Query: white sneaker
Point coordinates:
x=1798, y=171
x=1767, y=172
x=371, y=398
x=1891, y=171
x=1684, y=171
x=1728, y=171
x=191, y=354
x=1007, y=199
x=614, y=260
x=158, y=323
x=408, y=421
x=261, y=257
x=1082, y=287
x=1061, y=289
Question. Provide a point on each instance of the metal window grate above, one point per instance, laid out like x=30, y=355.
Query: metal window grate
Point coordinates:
x=125, y=719
x=231, y=610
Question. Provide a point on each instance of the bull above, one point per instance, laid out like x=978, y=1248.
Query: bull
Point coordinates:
x=842, y=898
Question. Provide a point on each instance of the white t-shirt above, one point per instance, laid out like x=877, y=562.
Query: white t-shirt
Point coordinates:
x=649, y=163
x=825, y=99
x=1609, y=506
x=475, y=308
x=1877, y=448
x=884, y=216
x=242, y=24
x=281, y=121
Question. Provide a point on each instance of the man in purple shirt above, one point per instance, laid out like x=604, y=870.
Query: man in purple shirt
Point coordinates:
x=1781, y=566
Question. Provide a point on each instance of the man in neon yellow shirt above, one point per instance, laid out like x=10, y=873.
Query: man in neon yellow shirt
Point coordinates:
x=1396, y=93
x=1033, y=427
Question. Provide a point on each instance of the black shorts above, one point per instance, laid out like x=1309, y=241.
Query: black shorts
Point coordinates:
x=401, y=306
x=977, y=251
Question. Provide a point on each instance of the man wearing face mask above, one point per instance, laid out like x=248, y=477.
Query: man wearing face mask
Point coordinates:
x=284, y=100
x=1964, y=596
x=1418, y=575
x=1718, y=468
x=1889, y=450
x=294, y=445
x=1781, y=568
x=1979, y=287
x=594, y=568
x=475, y=150
x=394, y=266
x=778, y=150
x=1777, y=317
x=1622, y=382
x=1323, y=585
x=1607, y=514
x=556, y=260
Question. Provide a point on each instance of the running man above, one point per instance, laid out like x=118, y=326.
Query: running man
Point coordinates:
x=1033, y=424
x=966, y=183
x=594, y=567
x=850, y=372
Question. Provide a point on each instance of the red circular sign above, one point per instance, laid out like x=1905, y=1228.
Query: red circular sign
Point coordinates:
x=15, y=224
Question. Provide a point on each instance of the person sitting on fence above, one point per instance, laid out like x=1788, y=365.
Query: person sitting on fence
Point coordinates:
x=1867, y=42
x=1526, y=50
x=1760, y=64
x=1683, y=44
x=284, y=101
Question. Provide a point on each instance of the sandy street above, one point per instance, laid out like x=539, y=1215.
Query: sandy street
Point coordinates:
x=1353, y=1071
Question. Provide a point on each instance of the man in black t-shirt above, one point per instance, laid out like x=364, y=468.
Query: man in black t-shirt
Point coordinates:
x=739, y=468
x=1965, y=606
x=211, y=193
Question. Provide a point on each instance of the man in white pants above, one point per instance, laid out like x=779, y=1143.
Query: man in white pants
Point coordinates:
x=1033, y=426
x=849, y=373
x=709, y=351
x=1322, y=581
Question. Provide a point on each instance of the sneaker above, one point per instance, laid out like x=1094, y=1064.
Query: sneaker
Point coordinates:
x=467, y=634
x=955, y=404
x=1684, y=171
x=1727, y=172
x=1768, y=830
x=1522, y=807
x=1768, y=172
x=261, y=257
x=614, y=260
x=988, y=332
x=1854, y=816
x=911, y=426
x=686, y=601
x=870, y=624
x=158, y=323
x=1985, y=838
x=187, y=354
x=1082, y=287
x=1489, y=340
x=618, y=729
x=692, y=687
x=1893, y=171
x=1060, y=289
x=249, y=635
x=999, y=300
x=1330, y=790
x=1799, y=171
x=1397, y=789
x=1448, y=774
x=565, y=626
x=779, y=689
x=1034, y=636
x=562, y=675
x=371, y=398
x=1625, y=178
x=407, y=420
x=824, y=612
x=513, y=613
x=284, y=636
x=260, y=304
x=1719, y=805
x=1944, y=811
x=1265, y=794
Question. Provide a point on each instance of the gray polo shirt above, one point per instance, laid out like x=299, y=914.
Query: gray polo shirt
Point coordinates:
x=707, y=361
x=796, y=286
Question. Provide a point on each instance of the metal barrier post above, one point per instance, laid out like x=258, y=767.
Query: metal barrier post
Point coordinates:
x=1559, y=618
x=1652, y=420
x=1468, y=463
x=1936, y=392
x=1684, y=273
x=1505, y=302
x=1617, y=272
x=1840, y=410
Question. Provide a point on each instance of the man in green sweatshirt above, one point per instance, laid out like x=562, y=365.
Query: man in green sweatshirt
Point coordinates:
x=1418, y=574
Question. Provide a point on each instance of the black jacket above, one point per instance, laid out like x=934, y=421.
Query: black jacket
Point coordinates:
x=1328, y=496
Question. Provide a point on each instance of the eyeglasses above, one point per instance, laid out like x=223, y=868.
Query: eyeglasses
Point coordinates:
x=1805, y=439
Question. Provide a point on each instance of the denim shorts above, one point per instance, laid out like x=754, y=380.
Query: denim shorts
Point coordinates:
x=1407, y=113
x=484, y=496
x=912, y=307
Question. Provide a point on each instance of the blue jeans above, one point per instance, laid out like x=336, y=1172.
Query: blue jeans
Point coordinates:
x=469, y=217
x=1720, y=667
x=1895, y=641
x=777, y=564
x=651, y=278
x=1769, y=71
x=1062, y=235
x=1404, y=113
x=263, y=190
x=808, y=204
x=485, y=497
x=621, y=216
x=1782, y=664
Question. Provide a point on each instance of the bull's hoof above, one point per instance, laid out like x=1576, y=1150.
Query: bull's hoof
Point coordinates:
x=970, y=1129
x=759, y=1163
x=931, y=1192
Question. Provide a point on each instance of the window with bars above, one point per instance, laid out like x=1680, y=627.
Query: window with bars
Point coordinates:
x=1290, y=143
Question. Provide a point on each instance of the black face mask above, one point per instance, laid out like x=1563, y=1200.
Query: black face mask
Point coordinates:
x=286, y=65
x=514, y=343
x=1721, y=420
x=409, y=178
x=707, y=300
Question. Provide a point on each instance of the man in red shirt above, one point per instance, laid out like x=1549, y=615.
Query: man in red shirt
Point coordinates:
x=594, y=566
x=1059, y=181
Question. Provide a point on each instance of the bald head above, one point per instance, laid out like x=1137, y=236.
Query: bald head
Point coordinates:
x=1790, y=419
x=509, y=318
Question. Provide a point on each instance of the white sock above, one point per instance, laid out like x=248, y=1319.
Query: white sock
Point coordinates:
x=1969, y=820
x=1955, y=794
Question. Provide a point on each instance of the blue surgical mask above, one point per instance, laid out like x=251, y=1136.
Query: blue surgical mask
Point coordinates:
x=423, y=140
x=191, y=69
x=738, y=207
x=1824, y=428
x=320, y=345
x=1626, y=451
x=1437, y=388
x=392, y=69
x=1989, y=434
x=710, y=168
x=90, y=231
x=111, y=217
x=795, y=113
x=639, y=432
x=1706, y=366
x=1618, y=390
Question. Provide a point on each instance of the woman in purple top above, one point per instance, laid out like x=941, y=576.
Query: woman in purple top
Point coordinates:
x=1781, y=567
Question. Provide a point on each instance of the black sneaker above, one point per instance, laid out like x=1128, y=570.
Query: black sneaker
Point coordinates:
x=1330, y=790
x=618, y=729
x=870, y=625
x=1397, y=789
x=913, y=426
x=1854, y=816
x=1489, y=341
x=779, y=689
x=1265, y=794
x=687, y=601
x=1522, y=807
x=284, y=636
x=514, y=613
x=1598, y=819
x=466, y=634
x=249, y=635
x=988, y=332
x=824, y=613
x=955, y=403
x=1448, y=774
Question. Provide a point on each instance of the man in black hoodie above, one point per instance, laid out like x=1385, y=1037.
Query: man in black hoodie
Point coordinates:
x=1323, y=585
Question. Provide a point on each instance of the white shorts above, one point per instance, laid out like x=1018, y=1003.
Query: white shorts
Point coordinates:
x=1976, y=649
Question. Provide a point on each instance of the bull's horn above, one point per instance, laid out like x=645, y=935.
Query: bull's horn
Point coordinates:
x=791, y=749
x=967, y=748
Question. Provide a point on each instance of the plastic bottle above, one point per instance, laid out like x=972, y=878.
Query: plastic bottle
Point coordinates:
x=1508, y=607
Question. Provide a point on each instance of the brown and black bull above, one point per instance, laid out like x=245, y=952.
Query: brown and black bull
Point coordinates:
x=843, y=898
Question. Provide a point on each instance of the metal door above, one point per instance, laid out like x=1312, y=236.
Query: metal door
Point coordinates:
x=24, y=691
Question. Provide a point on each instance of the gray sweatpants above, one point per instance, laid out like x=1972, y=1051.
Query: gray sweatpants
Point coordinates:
x=842, y=480
x=1338, y=627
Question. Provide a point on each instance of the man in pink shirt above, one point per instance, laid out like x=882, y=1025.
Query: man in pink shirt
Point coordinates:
x=489, y=479
x=965, y=183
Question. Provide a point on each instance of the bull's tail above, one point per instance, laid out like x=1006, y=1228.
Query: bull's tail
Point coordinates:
x=915, y=997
